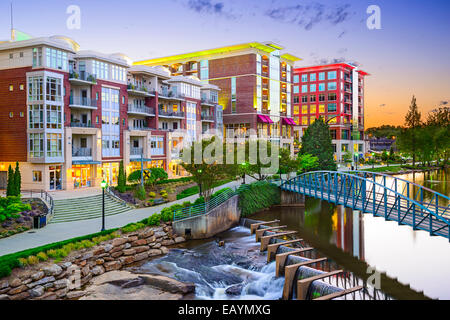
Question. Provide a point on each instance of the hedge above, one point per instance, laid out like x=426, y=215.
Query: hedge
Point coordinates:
x=195, y=189
x=11, y=261
x=258, y=196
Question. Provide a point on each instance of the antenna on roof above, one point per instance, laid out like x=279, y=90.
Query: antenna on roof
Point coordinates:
x=12, y=24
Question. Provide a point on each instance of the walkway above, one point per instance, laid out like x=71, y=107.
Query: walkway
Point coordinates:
x=63, y=231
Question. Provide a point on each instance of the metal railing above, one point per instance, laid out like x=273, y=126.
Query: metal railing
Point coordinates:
x=203, y=208
x=81, y=125
x=84, y=76
x=43, y=219
x=83, y=101
x=207, y=117
x=81, y=152
x=136, y=151
x=141, y=109
x=178, y=114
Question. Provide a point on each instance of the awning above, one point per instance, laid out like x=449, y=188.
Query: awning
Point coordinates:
x=289, y=121
x=139, y=160
x=268, y=119
x=85, y=162
x=262, y=118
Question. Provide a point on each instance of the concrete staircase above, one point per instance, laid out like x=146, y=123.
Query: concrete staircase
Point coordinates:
x=76, y=209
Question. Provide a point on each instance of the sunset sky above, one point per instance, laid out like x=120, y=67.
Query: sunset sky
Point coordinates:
x=409, y=55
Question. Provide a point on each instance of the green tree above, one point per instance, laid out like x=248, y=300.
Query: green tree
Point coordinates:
x=259, y=168
x=317, y=142
x=287, y=164
x=347, y=157
x=413, y=122
x=122, y=178
x=306, y=162
x=10, y=187
x=438, y=122
x=17, y=180
x=156, y=174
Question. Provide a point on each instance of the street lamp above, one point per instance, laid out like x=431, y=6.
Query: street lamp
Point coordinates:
x=103, y=184
x=244, y=165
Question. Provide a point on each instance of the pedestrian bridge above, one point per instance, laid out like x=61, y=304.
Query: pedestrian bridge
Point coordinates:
x=382, y=195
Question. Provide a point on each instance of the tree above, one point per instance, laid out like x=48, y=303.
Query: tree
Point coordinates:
x=156, y=174
x=347, y=157
x=438, y=122
x=287, y=163
x=17, y=180
x=306, y=162
x=317, y=142
x=259, y=168
x=413, y=122
x=10, y=187
x=210, y=168
x=122, y=178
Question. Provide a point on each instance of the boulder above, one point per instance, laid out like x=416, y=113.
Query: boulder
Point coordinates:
x=234, y=290
x=4, y=297
x=168, y=284
x=141, y=249
x=41, y=282
x=85, y=271
x=141, y=256
x=37, y=291
x=117, y=249
x=132, y=238
x=167, y=242
x=119, y=241
x=4, y=284
x=98, y=270
x=151, y=239
x=99, y=261
x=127, y=245
x=98, y=251
x=157, y=245
x=146, y=234
x=37, y=276
x=159, y=234
x=17, y=290
x=126, y=260
x=180, y=240
x=113, y=265
x=60, y=284
x=129, y=252
x=75, y=294
x=108, y=247
x=154, y=252
x=164, y=250
x=87, y=255
x=16, y=282
x=21, y=296
x=61, y=293
x=53, y=270
x=116, y=254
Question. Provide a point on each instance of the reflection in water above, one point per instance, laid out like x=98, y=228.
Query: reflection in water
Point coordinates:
x=413, y=257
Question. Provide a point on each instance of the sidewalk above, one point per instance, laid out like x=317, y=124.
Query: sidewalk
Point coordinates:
x=63, y=231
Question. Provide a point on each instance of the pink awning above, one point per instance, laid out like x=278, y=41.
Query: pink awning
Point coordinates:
x=268, y=119
x=289, y=122
x=262, y=118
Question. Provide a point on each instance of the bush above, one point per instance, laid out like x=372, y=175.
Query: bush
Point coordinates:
x=140, y=193
x=184, y=179
x=42, y=256
x=188, y=192
x=257, y=196
x=33, y=260
x=199, y=200
x=152, y=194
x=186, y=204
x=154, y=220
x=132, y=227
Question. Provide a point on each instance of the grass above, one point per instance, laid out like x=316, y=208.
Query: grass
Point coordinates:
x=385, y=169
x=195, y=189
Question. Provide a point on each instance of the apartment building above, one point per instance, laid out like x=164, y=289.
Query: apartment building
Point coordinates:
x=255, y=81
x=336, y=93
x=69, y=116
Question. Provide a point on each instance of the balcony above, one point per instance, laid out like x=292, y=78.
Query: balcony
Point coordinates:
x=143, y=128
x=82, y=103
x=208, y=102
x=170, y=95
x=140, y=110
x=139, y=90
x=81, y=152
x=348, y=79
x=78, y=124
x=82, y=78
x=207, y=118
x=136, y=151
x=171, y=114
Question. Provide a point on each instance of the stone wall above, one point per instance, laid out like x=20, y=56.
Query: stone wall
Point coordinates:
x=220, y=219
x=48, y=281
x=292, y=198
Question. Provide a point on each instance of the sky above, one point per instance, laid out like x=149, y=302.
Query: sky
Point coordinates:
x=409, y=55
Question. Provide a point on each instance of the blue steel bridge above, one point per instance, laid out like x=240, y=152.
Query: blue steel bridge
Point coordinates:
x=382, y=195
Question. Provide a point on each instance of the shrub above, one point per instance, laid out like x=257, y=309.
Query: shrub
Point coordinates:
x=186, y=204
x=2, y=218
x=23, y=262
x=257, y=196
x=140, y=193
x=199, y=200
x=33, y=260
x=133, y=227
x=152, y=194
x=154, y=220
x=42, y=256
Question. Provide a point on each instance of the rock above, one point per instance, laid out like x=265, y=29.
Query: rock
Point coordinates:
x=61, y=293
x=159, y=234
x=66, y=265
x=119, y=241
x=41, y=282
x=98, y=270
x=179, y=239
x=164, y=250
x=108, y=247
x=167, y=242
x=133, y=283
x=146, y=234
x=86, y=279
x=137, y=243
x=4, y=297
x=141, y=249
x=27, y=281
x=48, y=285
x=154, y=252
x=53, y=270
x=48, y=296
x=3, y=291
x=234, y=290
x=60, y=284
x=168, y=284
x=132, y=238
x=16, y=282
x=62, y=275
x=151, y=239
x=129, y=252
x=4, y=284
x=116, y=254
x=141, y=256
x=157, y=245
x=82, y=263
x=98, y=251
x=17, y=290
x=75, y=294
x=117, y=249
x=221, y=243
x=126, y=260
x=37, y=291
x=87, y=255
x=85, y=271
x=99, y=261
x=113, y=265
x=21, y=296
x=127, y=246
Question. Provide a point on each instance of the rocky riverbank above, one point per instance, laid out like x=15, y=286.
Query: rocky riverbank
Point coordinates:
x=73, y=277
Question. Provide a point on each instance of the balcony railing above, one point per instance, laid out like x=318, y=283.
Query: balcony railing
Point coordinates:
x=139, y=88
x=83, y=102
x=81, y=152
x=176, y=114
x=82, y=76
x=81, y=125
x=144, y=128
x=207, y=117
x=140, y=109
x=208, y=101
x=136, y=151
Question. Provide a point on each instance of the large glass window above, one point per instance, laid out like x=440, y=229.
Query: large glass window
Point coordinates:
x=36, y=117
x=37, y=57
x=304, y=88
x=312, y=77
x=157, y=145
x=57, y=59
x=53, y=89
x=321, y=86
x=321, y=76
x=110, y=123
x=100, y=69
x=332, y=86
x=233, y=95
x=54, y=117
x=332, y=107
x=36, y=88
x=312, y=88
x=332, y=75
x=304, y=78
x=54, y=145
x=36, y=145
x=296, y=79
x=332, y=96
x=204, y=69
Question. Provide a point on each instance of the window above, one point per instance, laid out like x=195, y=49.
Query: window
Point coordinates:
x=37, y=176
x=11, y=87
x=35, y=88
x=305, y=121
x=304, y=109
x=321, y=97
x=204, y=69
x=296, y=109
x=304, y=88
x=304, y=99
x=312, y=88
x=332, y=75
x=321, y=76
x=57, y=59
x=100, y=69
x=54, y=145
x=312, y=77
x=37, y=57
x=321, y=108
x=344, y=147
x=11, y=56
x=333, y=135
x=332, y=86
x=21, y=87
x=296, y=99
x=313, y=108
x=157, y=145
x=36, y=145
x=54, y=117
x=296, y=79
x=296, y=89
x=304, y=78
x=332, y=107
x=312, y=98
x=233, y=95
x=332, y=97
x=53, y=89
x=36, y=117
x=321, y=86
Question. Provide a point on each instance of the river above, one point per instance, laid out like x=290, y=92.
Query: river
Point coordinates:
x=239, y=271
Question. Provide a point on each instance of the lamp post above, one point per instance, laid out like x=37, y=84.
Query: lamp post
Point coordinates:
x=244, y=165
x=103, y=184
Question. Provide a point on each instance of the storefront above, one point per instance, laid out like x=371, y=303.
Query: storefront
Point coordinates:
x=82, y=176
x=110, y=172
x=55, y=177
